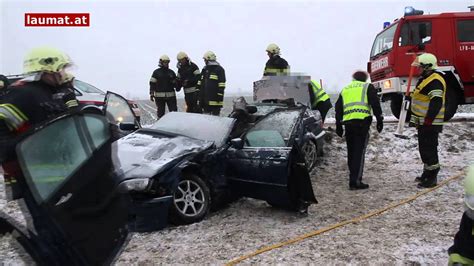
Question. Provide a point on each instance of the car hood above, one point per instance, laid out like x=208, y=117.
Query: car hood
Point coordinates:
x=141, y=155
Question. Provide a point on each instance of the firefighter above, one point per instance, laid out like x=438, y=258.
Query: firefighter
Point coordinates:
x=43, y=94
x=162, y=87
x=211, y=85
x=462, y=251
x=188, y=76
x=427, y=115
x=319, y=99
x=354, y=109
x=275, y=64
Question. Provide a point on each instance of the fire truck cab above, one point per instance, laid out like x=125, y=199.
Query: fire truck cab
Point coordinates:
x=449, y=36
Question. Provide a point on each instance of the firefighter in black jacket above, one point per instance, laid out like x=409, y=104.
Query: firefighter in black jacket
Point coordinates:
x=162, y=87
x=354, y=109
x=211, y=85
x=188, y=76
x=43, y=94
x=275, y=64
x=427, y=114
x=462, y=251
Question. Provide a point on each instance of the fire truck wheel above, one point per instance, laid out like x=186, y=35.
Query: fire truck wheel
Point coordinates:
x=396, y=106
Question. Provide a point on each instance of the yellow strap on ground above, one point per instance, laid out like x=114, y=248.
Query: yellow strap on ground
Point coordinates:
x=332, y=227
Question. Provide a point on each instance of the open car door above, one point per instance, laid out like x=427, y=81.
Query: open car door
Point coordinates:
x=120, y=115
x=263, y=168
x=74, y=203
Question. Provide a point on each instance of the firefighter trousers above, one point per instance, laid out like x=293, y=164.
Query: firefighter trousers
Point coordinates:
x=192, y=102
x=357, y=137
x=323, y=108
x=211, y=110
x=428, y=147
x=161, y=103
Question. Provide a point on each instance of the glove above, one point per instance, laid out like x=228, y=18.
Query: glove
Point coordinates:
x=152, y=98
x=428, y=121
x=339, y=130
x=379, y=125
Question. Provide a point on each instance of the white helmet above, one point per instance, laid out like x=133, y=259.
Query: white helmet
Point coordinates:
x=164, y=58
x=181, y=55
x=273, y=49
x=426, y=61
x=209, y=56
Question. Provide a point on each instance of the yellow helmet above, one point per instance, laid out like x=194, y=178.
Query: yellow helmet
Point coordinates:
x=45, y=59
x=210, y=56
x=181, y=55
x=273, y=49
x=426, y=61
x=469, y=188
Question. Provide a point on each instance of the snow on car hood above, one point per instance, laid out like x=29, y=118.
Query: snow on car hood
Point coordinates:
x=144, y=155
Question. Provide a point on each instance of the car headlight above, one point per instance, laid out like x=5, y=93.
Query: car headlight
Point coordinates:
x=138, y=184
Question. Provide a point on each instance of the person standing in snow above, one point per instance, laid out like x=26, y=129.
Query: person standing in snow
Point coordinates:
x=319, y=99
x=354, y=110
x=275, y=65
x=211, y=85
x=462, y=251
x=162, y=87
x=427, y=115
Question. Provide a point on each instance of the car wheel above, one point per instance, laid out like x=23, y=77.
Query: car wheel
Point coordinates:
x=191, y=200
x=310, y=152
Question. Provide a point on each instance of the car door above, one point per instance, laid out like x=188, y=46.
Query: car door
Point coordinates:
x=261, y=168
x=120, y=115
x=71, y=195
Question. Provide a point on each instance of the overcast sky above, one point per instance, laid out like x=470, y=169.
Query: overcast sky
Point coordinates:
x=120, y=49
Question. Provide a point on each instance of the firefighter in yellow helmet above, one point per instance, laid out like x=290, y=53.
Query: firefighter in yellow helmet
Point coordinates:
x=44, y=93
x=211, y=85
x=427, y=115
x=188, y=76
x=162, y=87
x=354, y=108
x=275, y=65
x=462, y=251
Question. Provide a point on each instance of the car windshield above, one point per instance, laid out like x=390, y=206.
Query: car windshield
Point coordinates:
x=198, y=126
x=384, y=41
x=86, y=87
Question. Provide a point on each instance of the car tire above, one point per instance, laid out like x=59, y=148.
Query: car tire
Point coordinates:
x=310, y=151
x=191, y=200
x=396, y=106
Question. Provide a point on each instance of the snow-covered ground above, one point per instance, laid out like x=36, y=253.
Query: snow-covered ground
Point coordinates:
x=418, y=232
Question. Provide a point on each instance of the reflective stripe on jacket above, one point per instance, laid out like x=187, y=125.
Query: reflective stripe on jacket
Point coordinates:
x=355, y=100
x=420, y=102
x=319, y=94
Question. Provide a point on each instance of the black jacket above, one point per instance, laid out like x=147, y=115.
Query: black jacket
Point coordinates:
x=464, y=239
x=276, y=65
x=373, y=102
x=30, y=103
x=188, y=75
x=162, y=80
x=212, y=85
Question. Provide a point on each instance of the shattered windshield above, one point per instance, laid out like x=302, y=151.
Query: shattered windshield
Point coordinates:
x=198, y=126
x=384, y=41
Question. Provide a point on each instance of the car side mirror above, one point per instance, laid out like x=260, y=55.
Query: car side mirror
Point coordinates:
x=127, y=126
x=237, y=143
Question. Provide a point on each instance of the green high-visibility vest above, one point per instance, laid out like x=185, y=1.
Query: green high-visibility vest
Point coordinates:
x=319, y=94
x=356, y=103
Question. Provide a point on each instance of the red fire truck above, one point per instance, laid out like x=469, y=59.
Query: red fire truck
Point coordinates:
x=449, y=36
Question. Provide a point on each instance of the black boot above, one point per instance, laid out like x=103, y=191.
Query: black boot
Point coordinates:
x=429, y=179
x=358, y=185
x=428, y=182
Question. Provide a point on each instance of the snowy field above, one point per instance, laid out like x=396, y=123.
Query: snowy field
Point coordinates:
x=419, y=232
